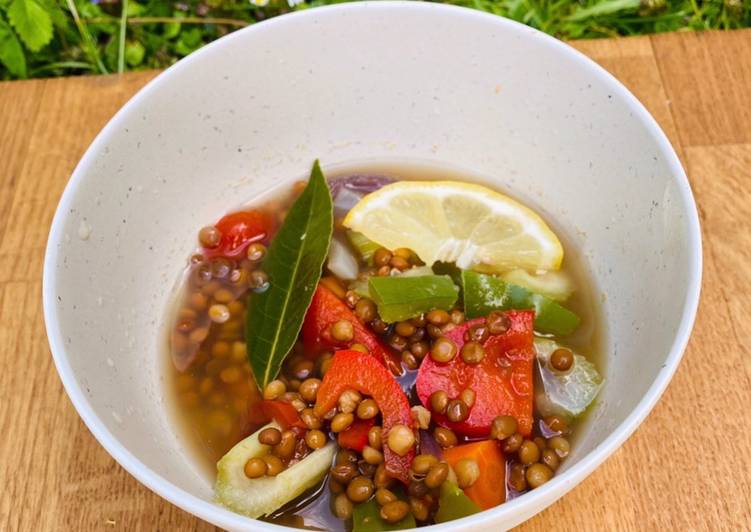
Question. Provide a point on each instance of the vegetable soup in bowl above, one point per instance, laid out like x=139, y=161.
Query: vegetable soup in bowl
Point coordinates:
x=466, y=306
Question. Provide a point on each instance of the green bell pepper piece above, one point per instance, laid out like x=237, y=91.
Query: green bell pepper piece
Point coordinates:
x=485, y=293
x=402, y=297
x=453, y=503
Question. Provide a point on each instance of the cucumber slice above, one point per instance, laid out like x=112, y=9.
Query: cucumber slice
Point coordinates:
x=261, y=496
x=565, y=394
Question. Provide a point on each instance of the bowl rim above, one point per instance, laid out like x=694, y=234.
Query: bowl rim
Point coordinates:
x=509, y=513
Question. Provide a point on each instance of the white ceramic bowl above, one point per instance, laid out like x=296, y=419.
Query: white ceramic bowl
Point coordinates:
x=375, y=81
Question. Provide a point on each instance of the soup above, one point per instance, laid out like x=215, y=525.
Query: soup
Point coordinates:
x=397, y=347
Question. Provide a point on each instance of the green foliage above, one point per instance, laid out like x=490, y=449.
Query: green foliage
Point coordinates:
x=32, y=22
x=64, y=37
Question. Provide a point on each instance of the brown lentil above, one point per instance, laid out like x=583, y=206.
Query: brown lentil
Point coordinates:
x=513, y=443
x=360, y=489
x=371, y=455
x=311, y=420
x=374, y=438
x=333, y=284
x=342, y=507
x=255, y=468
x=529, y=453
x=439, y=400
x=419, y=509
x=365, y=310
x=335, y=487
x=437, y=475
x=400, y=439
x=343, y=331
x=309, y=389
x=410, y=360
x=472, y=353
x=315, y=439
x=302, y=369
x=478, y=333
x=345, y=456
x=503, y=427
x=517, y=478
x=404, y=328
x=398, y=343
x=394, y=511
x=209, y=236
x=444, y=350
x=231, y=374
x=258, y=280
x=351, y=298
x=344, y=472
x=540, y=442
x=198, y=301
x=467, y=472
x=384, y=496
x=419, y=349
x=274, y=389
x=349, y=400
x=270, y=436
x=437, y=317
x=562, y=359
x=560, y=445
x=445, y=437
x=274, y=465
x=256, y=252
x=423, y=462
x=468, y=397
x=457, y=411
x=497, y=322
x=538, y=474
x=286, y=447
x=550, y=459
x=457, y=317
x=381, y=478
x=382, y=257
x=417, y=488
x=341, y=422
x=379, y=326
x=366, y=469
x=367, y=409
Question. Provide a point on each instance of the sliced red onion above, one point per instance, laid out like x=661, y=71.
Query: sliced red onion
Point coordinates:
x=347, y=191
x=428, y=445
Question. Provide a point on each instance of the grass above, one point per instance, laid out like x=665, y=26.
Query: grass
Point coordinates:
x=40, y=38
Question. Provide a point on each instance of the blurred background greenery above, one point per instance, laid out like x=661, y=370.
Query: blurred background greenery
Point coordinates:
x=40, y=38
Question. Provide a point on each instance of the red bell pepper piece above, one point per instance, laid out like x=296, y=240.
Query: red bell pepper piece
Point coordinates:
x=356, y=436
x=325, y=310
x=239, y=230
x=502, y=381
x=283, y=413
x=362, y=372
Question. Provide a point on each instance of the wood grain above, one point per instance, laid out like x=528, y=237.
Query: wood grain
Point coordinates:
x=687, y=467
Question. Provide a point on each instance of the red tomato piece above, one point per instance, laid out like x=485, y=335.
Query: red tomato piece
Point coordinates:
x=239, y=230
x=283, y=413
x=356, y=436
x=325, y=310
x=362, y=372
x=502, y=381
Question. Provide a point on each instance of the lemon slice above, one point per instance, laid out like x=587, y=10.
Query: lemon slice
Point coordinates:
x=471, y=225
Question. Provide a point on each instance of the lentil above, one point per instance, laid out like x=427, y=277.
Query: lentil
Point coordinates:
x=419, y=509
x=270, y=436
x=550, y=459
x=529, y=453
x=513, y=443
x=437, y=317
x=503, y=427
x=342, y=506
x=274, y=389
x=457, y=411
x=374, y=438
x=341, y=422
x=467, y=472
x=538, y=474
x=360, y=489
x=381, y=478
x=384, y=496
x=444, y=350
x=497, y=322
x=209, y=236
x=365, y=310
x=315, y=439
x=343, y=331
x=437, y=474
x=472, y=353
x=439, y=400
x=371, y=455
x=274, y=465
x=394, y=511
x=255, y=468
x=468, y=397
x=400, y=439
x=256, y=252
x=367, y=409
x=344, y=472
x=309, y=389
x=560, y=445
x=445, y=437
x=349, y=400
x=517, y=478
x=382, y=257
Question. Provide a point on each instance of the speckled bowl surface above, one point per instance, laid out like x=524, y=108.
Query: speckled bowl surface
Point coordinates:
x=379, y=82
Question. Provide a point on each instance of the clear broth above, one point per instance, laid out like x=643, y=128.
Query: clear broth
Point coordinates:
x=213, y=418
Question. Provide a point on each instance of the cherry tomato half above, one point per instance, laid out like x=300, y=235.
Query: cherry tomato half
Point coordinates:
x=239, y=230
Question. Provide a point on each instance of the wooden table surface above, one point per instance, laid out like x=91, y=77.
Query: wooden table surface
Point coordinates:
x=688, y=467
